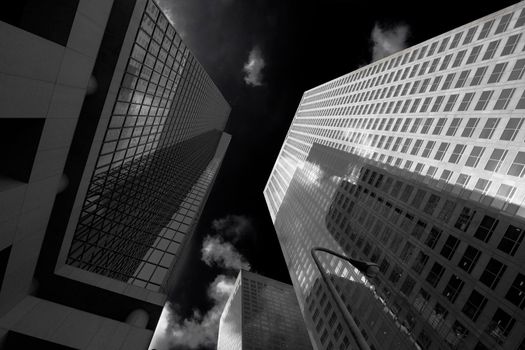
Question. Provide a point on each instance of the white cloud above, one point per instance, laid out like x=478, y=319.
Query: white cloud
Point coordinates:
x=215, y=251
x=198, y=330
x=253, y=68
x=387, y=41
x=233, y=227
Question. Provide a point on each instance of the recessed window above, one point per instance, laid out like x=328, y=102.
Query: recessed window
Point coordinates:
x=450, y=246
x=511, y=44
x=420, y=262
x=453, y=288
x=516, y=292
x=517, y=70
x=511, y=240
x=496, y=158
x=488, y=130
x=467, y=100
x=472, y=123
x=492, y=273
x=433, y=237
x=491, y=50
x=486, y=228
x=474, y=305
x=503, y=23
x=435, y=274
x=497, y=73
x=484, y=100
x=518, y=165
x=511, y=129
x=485, y=30
x=469, y=259
x=504, y=99
x=521, y=19
x=454, y=125
x=470, y=35
x=441, y=151
x=475, y=156
x=464, y=219
x=500, y=326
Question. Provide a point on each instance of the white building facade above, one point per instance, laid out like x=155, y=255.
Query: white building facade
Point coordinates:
x=416, y=162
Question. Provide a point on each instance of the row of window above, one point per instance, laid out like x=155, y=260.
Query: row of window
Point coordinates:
x=419, y=53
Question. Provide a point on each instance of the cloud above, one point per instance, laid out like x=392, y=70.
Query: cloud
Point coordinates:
x=387, y=41
x=253, y=68
x=233, y=227
x=215, y=251
x=199, y=330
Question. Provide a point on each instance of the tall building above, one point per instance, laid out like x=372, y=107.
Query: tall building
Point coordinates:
x=415, y=162
x=111, y=139
x=261, y=314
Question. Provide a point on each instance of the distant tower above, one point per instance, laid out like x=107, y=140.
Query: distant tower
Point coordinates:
x=416, y=162
x=111, y=137
x=262, y=314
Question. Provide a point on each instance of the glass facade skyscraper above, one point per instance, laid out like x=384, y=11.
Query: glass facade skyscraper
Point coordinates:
x=123, y=135
x=262, y=313
x=413, y=162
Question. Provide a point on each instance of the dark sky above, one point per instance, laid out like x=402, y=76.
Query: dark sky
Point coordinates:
x=303, y=43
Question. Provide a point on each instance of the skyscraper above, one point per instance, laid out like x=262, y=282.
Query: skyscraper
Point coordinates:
x=414, y=162
x=112, y=136
x=260, y=314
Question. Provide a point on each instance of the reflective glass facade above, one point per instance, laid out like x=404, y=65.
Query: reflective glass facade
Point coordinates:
x=156, y=163
x=262, y=314
x=413, y=162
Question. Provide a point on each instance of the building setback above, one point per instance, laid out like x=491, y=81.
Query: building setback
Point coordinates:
x=112, y=137
x=415, y=162
x=260, y=314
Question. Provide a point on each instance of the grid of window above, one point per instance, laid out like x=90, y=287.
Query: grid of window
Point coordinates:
x=153, y=169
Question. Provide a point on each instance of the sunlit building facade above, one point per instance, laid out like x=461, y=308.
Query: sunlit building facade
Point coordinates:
x=415, y=162
x=260, y=314
x=121, y=136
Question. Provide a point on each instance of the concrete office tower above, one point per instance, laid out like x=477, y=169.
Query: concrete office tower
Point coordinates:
x=261, y=314
x=111, y=138
x=416, y=162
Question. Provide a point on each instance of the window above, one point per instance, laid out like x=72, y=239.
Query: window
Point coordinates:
x=435, y=274
x=408, y=286
x=433, y=237
x=447, y=210
x=503, y=23
x=428, y=148
x=482, y=187
x=419, y=229
x=464, y=219
x=448, y=81
x=474, y=305
x=472, y=123
x=478, y=76
x=504, y=99
x=456, y=154
x=521, y=19
x=516, y=292
x=465, y=103
x=459, y=58
x=496, y=158
x=474, y=53
x=431, y=205
x=446, y=61
x=463, y=76
x=441, y=151
x=511, y=44
x=517, y=71
x=484, y=100
x=521, y=102
x=511, y=240
x=406, y=145
x=487, y=26
x=395, y=275
x=425, y=104
x=470, y=35
x=463, y=180
x=518, y=165
x=475, y=156
x=407, y=252
x=492, y=274
x=420, y=262
x=511, y=129
x=505, y=193
x=435, y=83
x=497, y=72
x=486, y=228
x=491, y=50
x=453, y=288
x=469, y=259
x=427, y=125
x=488, y=130
x=450, y=246
x=500, y=326
x=439, y=126
x=451, y=102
